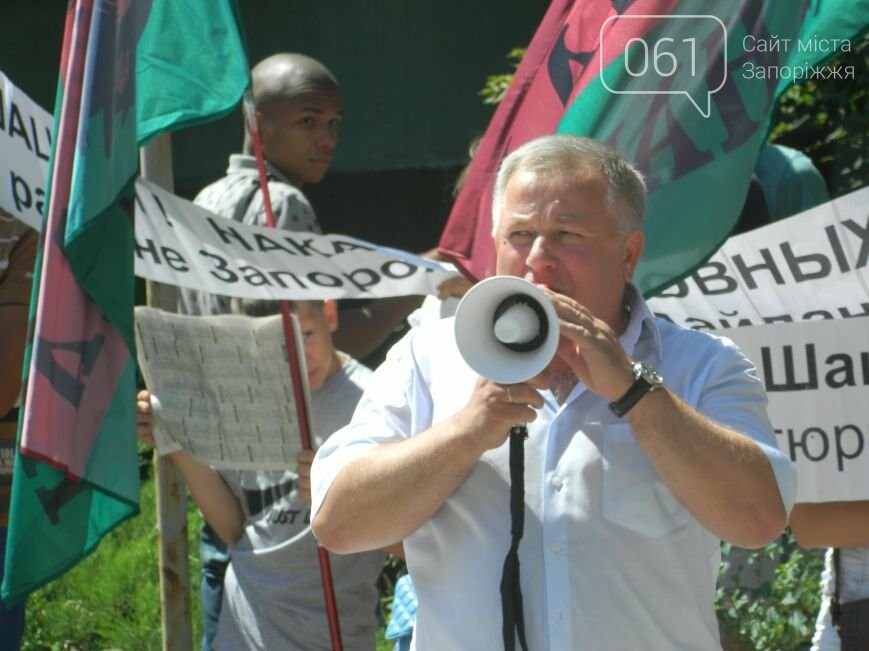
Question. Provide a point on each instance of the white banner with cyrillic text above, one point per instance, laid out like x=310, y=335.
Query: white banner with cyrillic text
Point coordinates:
x=179, y=243
x=809, y=266
x=785, y=293
x=817, y=378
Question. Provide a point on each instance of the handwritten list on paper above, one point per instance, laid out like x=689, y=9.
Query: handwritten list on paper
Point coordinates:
x=221, y=387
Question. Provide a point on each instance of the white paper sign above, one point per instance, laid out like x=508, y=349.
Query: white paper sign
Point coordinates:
x=25, y=143
x=222, y=387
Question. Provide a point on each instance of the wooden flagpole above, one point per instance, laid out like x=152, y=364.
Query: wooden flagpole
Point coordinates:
x=171, y=493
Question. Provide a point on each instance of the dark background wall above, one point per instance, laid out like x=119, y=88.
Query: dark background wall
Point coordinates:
x=410, y=72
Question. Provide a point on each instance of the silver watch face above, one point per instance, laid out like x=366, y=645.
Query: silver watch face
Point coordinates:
x=648, y=373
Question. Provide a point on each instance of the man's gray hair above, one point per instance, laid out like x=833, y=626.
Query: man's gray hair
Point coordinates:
x=564, y=155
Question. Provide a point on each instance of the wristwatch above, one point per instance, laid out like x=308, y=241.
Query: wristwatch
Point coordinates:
x=646, y=379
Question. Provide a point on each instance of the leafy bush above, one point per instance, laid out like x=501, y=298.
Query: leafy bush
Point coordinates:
x=827, y=119
x=496, y=85
x=778, y=614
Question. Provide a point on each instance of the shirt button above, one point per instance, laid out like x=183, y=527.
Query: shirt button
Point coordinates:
x=557, y=484
x=556, y=548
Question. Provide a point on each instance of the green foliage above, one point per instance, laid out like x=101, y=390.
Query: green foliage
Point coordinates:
x=392, y=570
x=381, y=643
x=112, y=598
x=778, y=614
x=827, y=119
x=496, y=85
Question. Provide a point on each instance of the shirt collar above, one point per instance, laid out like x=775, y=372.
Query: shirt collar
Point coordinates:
x=246, y=164
x=642, y=323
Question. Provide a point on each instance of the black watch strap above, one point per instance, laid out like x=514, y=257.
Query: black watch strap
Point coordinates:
x=646, y=379
x=632, y=396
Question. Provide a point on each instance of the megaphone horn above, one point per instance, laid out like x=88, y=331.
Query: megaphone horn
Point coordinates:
x=506, y=329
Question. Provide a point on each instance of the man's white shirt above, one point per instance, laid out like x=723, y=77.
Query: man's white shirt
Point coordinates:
x=609, y=558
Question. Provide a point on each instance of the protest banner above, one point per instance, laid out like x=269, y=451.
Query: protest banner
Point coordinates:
x=816, y=376
x=785, y=293
x=179, y=243
x=808, y=266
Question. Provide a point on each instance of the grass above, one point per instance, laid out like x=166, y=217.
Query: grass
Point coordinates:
x=111, y=600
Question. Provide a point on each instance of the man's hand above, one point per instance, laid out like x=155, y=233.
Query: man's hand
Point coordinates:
x=494, y=408
x=422, y=471
x=144, y=419
x=454, y=287
x=591, y=348
x=303, y=483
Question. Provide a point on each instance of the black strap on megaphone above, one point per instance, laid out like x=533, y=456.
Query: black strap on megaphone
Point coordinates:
x=511, y=590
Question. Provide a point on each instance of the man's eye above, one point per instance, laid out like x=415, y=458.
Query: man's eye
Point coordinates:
x=307, y=335
x=520, y=236
x=569, y=236
x=306, y=121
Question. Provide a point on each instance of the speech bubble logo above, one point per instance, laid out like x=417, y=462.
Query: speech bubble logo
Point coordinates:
x=670, y=64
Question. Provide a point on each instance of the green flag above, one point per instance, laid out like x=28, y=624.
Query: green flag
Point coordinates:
x=129, y=71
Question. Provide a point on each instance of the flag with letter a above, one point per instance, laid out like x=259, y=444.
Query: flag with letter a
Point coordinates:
x=129, y=70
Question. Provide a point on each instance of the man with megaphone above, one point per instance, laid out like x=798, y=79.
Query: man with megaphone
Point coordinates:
x=647, y=443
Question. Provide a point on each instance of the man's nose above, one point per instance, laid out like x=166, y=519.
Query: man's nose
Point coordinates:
x=541, y=255
x=328, y=137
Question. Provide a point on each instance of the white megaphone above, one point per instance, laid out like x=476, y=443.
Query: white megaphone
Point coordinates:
x=506, y=329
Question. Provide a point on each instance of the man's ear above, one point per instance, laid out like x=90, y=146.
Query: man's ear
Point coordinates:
x=330, y=309
x=634, y=243
x=265, y=125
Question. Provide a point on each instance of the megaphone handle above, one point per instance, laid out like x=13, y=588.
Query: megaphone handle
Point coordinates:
x=513, y=622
